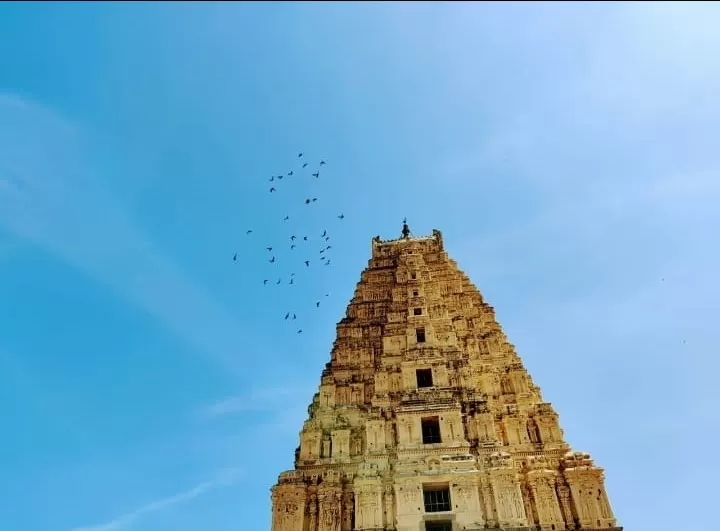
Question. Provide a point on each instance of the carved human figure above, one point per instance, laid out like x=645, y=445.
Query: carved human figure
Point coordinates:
x=586, y=505
x=604, y=505
x=503, y=505
x=354, y=395
x=518, y=509
x=312, y=509
x=355, y=444
x=527, y=505
x=348, y=514
x=326, y=446
x=545, y=503
x=500, y=429
x=336, y=521
x=533, y=431
x=463, y=496
x=373, y=512
x=326, y=517
x=408, y=495
x=360, y=510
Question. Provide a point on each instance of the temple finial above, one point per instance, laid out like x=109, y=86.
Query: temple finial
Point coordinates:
x=405, y=229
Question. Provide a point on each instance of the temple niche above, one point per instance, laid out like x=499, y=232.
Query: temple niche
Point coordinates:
x=426, y=419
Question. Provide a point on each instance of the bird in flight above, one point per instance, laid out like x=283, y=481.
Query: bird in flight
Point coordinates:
x=299, y=331
x=327, y=238
x=324, y=233
x=265, y=281
x=328, y=262
x=341, y=216
x=314, y=199
x=280, y=177
x=278, y=282
x=287, y=316
x=294, y=317
x=292, y=281
x=286, y=218
x=272, y=260
x=305, y=238
x=268, y=248
x=307, y=263
x=272, y=178
x=292, y=247
x=290, y=173
x=327, y=294
x=307, y=201
x=248, y=232
x=272, y=189
x=300, y=155
x=322, y=163
x=235, y=257
x=305, y=164
x=317, y=304
x=322, y=251
x=292, y=238
x=328, y=247
x=316, y=175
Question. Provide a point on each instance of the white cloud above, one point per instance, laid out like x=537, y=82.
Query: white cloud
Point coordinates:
x=225, y=478
x=260, y=399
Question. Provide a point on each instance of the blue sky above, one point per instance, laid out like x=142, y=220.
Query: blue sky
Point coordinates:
x=568, y=152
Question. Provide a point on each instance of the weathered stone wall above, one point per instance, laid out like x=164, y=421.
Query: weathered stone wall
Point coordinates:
x=362, y=462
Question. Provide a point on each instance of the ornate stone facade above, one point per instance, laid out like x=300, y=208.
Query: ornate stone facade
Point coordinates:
x=424, y=393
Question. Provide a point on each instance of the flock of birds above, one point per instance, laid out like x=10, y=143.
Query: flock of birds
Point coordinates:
x=295, y=240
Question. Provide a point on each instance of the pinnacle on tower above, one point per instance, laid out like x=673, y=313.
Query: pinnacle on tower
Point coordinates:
x=405, y=229
x=426, y=419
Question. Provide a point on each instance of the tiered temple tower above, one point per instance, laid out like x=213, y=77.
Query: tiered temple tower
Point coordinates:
x=426, y=419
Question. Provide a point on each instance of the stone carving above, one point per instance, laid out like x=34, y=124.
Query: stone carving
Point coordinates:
x=462, y=495
x=499, y=460
x=368, y=511
x=326, y=446
x=363, y=434
x=330, y=518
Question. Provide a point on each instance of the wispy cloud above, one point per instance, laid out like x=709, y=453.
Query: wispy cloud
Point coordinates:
x=261, y=399
x=50, y=195
x=225, y=478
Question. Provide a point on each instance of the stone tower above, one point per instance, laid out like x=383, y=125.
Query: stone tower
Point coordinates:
x=426, y=419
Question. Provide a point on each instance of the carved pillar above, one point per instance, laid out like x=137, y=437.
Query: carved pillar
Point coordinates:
x=467, y=504
x=310, y=444
x=407, y=499
x=289, y=498
x=375, y=436
x=369, y=513
x=485, y=426
x=528, y=502
x=389, y=506
x=563, y=492
x=341, y=444
x=312, y=514
x=329, y=510
x=368, y=491
x=487, y=499
x=347, y=511
x=506, y=490
x=542, y=483
x=587, y=491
